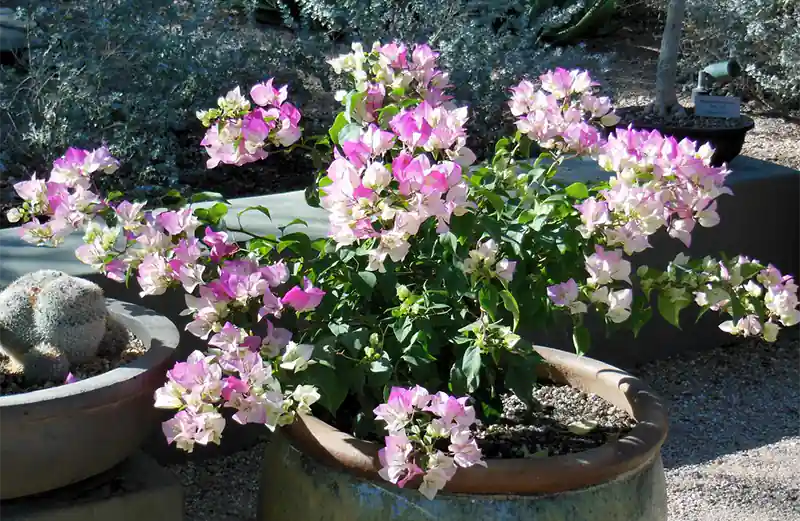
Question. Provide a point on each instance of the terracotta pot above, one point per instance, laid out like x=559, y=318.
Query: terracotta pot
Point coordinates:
x=334, y=477
x=58, y=436
x=727, y=142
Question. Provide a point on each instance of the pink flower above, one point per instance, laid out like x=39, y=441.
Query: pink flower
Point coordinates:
x=396, y=54
x=397, y=465
x=305, y=299
x=71, y=379
x=220, y=244
x=411, y=128
x=452, y=410
x=563, y=294
x=275, y=340
x=177, y=222
x=440, y=470
x=188, y=427
x=264, y=94
x=400, y=406
x=466, y=452
x=605, y=266
x=231, y=385
x=275, y=274
x=593, y=214
x=154, y=275
x=505, y=269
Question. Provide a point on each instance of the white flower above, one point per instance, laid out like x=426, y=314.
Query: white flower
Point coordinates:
x=297, y=357
x=619, y=305
x=305, y=396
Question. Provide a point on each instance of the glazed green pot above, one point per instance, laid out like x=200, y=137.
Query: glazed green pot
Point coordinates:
x=313, y=472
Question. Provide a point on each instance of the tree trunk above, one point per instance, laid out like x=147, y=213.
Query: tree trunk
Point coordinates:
x=666, y=93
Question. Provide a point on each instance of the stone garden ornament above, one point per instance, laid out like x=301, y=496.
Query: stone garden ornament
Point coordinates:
x=398, y=332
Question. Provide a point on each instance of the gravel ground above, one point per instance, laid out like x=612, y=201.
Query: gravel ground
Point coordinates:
x=733, y=451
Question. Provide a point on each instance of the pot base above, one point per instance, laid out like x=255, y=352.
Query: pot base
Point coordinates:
x=321, y=493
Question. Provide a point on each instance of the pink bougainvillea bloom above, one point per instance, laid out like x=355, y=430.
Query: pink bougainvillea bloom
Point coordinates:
x=303, y=299
x=71, y=379
x=219, y=244
x=466, y=452
x=265, y=94
x=395, y=458
x=563, y=294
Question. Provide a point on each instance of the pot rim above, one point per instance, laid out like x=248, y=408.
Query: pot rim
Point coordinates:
x=524, y=476
x=747, y=125
x=154, y=330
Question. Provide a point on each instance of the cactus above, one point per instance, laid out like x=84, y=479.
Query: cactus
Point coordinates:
x=50, y=320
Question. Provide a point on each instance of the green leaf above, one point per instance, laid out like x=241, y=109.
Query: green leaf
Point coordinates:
x=449, y=240
x=172, y=198
x=495, y=200
x=748, y=270
x=581, y=339
x=217, y=212
x=577, y=191
x=471, y=364
x=641, y=313
x=520, y=376
x=350, y=132
x=387, y=113
x=510, y=303
x=458, y=382
x=368, y=277
x=402, y=329
x=671, y=310
x=354, y=98
x=582, y=427
x=338, y=124
x=258, y=208
x=502, y=144
x=207, y=196
x=332, y=388
x=116, y=194
x=295, y=221
x=492, y=409
x=487, y=297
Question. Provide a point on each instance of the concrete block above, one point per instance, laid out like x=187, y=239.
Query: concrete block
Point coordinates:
x=136, y=490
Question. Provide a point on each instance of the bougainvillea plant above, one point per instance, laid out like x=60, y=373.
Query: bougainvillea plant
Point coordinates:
x=411, y=307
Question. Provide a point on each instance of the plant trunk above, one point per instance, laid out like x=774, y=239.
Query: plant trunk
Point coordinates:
x=666, y=93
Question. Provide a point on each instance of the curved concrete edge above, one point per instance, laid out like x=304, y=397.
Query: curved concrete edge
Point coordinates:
x=154, y=330
x=517, y=475
x=320, y=492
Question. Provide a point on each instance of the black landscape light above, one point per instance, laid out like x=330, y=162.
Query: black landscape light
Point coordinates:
x=717, y=73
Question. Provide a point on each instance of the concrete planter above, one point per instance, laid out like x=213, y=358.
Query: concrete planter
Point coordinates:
x=62, y=435
x=313, y=471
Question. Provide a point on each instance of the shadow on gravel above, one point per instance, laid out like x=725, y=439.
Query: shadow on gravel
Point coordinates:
x=728, y=399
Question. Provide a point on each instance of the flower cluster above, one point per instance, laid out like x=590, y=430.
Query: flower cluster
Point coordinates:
x=659, y=182
x=386, y=181
x=562, y=114
x=237, y=134
x=767, y=299
x=420, y=425
x=606, y=269
x=65, y=200
x=165, y=249
x=402, y=199
x=483, y=261
x=391, y=71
